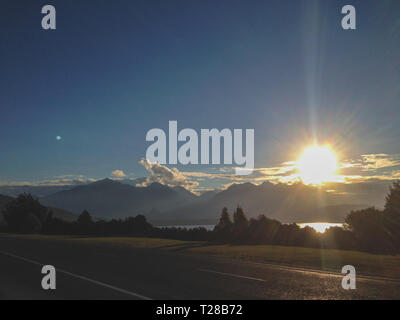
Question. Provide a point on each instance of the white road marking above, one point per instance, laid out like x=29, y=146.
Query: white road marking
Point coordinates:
x=310, y=270
x=231, y=275
x=129, y=293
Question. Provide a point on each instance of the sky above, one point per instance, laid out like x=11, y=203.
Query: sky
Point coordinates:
x=76, y=102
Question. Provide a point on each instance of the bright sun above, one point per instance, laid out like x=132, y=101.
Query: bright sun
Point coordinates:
x=317, y=165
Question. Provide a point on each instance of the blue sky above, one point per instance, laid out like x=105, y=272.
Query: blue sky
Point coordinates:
x=115, y=69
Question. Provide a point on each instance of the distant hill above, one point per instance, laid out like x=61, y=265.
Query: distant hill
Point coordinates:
x=287, y=203
x=65, y=215
x=37, y=191
x=206, y=196
x=58, y=213
x=112, y=199
x=334, y=213
x=41, y=191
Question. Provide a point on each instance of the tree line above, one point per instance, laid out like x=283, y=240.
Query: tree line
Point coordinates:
x=370, y=230
x=27, y=215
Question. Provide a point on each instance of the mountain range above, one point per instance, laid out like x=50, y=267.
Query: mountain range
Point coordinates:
x=112, y=199
x=288, y=203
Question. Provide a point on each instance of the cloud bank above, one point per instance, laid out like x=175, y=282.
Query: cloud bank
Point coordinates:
x=164, y=175
x=118, y=174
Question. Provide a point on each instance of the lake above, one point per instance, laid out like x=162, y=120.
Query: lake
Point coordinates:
x=317, y=226
x=209, y=227
x=320, y=226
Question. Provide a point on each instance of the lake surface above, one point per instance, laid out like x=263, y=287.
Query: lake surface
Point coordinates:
x=209, y=227
x=320, y=226
x=317, y=226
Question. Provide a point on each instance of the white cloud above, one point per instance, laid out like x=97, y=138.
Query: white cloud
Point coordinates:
x=164, y=175
x=379, y=161
x=118, y=174
x=48, y=183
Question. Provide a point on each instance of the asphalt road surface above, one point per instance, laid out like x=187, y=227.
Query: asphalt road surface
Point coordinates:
x=105, y=272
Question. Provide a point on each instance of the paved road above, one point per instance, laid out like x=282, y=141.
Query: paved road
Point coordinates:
x=104, y=272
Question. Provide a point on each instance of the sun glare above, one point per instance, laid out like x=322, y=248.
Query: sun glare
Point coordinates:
x=317, y=165
x=320, y=227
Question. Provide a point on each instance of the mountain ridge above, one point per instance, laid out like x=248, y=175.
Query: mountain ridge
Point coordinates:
x=112, y=199
x=109, y=199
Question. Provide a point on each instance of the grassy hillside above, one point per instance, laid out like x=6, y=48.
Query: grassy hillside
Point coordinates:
x=320, y=259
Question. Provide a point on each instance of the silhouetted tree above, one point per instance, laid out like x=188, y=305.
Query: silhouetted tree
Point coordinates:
x=371, y=231
x=85, y=223
x=25, y=214
x=263, y=230
x=223, y=229
x=85, y=219
x=392, y=205
x=240, y=226
x=392, y=213
x=338, y=238
x=136, y=226
x=375, y=230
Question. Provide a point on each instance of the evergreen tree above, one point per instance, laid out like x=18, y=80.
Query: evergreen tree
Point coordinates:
x=223, y=229
x=240, y=225
x=25, y=214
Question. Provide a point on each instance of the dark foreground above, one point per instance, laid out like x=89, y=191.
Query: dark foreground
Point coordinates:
x=88, y=271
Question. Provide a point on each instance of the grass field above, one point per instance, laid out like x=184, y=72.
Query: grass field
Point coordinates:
x=321, y=259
